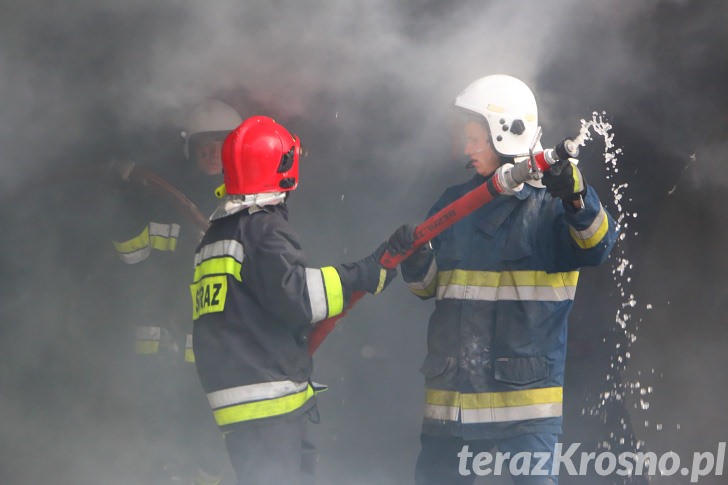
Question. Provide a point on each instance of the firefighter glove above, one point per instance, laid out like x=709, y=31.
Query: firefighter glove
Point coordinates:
x=564, y=180
x=402, y=239
x=366, y=274
x=377, y=277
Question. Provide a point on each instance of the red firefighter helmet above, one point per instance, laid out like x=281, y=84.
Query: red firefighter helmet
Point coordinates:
x=260, y=156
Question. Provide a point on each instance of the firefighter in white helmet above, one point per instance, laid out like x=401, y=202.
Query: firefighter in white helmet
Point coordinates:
x=503, y=280
x=154, y=241
x=206, y=127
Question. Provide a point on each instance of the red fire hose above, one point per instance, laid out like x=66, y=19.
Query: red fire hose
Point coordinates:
x=504, y=181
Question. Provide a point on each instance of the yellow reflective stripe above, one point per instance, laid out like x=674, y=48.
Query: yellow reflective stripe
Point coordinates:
x=162, y=237
x=189, y=353
x=262, y=409
x=488, y=400
x=334, y=290
x=442, y=398
x=141, y=241
x=427, y=286
x=507, y=278
x=508, y=285
x=382, y=280
x=161, y=243
x=208, y=295
x=577, y=179
x=146, y=347
x=217, y=266
x=592, y=235
x=493, y=407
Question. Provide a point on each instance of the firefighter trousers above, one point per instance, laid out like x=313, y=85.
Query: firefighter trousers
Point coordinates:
x=278, y=452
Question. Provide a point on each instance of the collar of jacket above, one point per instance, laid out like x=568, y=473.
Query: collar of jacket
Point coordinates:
x=253, y=202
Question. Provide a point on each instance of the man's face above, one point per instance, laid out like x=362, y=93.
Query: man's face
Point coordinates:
x=207, y=153
x=478, y=147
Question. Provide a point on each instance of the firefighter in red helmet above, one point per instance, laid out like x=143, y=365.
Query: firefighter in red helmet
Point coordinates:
x=254, y=299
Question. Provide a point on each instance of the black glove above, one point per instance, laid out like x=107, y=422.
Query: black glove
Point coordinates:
x=402, y=239
x=564, y=180
x=367, y=274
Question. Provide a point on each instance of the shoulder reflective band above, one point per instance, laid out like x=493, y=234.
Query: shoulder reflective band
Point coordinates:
x=213, y=263
x=507, y=285
x=221, y=257
x=592, y=235
x=162, y=237
x=325, y=293
x=269, y=402
x=493, y=407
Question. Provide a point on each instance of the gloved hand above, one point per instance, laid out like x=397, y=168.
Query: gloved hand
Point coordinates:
x=402, y=239
x=367, y=274
x=564, y=180
x=375, y=276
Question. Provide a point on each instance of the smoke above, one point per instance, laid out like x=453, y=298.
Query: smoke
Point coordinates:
x=369, y=87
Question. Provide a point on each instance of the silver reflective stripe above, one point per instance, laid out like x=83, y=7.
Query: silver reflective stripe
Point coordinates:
x=164, y=230
x=431, y=274
x=188, y=341
x=512, y=293
x=135, y=256
x=444, y=413
x=515, y=413
x=316, y=294
x=226, y=247
x=590, y=231
x=147, y=333
x=254, y=392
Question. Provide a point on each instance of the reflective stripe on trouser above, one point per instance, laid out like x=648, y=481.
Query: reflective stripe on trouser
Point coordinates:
x=257, y=401
x=493, y=407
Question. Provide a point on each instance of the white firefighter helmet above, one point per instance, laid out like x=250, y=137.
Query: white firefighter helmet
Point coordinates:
x=508, y=106
x=211, y=116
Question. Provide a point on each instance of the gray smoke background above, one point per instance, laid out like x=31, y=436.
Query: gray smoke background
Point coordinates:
x=368, y=85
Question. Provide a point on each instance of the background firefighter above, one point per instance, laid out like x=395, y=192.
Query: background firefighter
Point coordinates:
x=254, y=300
x=504, y=280
x=154, y=243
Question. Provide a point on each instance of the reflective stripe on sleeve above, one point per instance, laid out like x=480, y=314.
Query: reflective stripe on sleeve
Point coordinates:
x=316, y=294
x=162, y=237
x=425, y=287
x=146, y=339
x=507, y=285
x=334, y=290
x=592, y=235
x=189, y=353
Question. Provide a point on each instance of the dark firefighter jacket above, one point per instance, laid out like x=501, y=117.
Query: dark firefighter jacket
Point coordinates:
x=253, y=296
x=504, y=280
x=154, y=245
